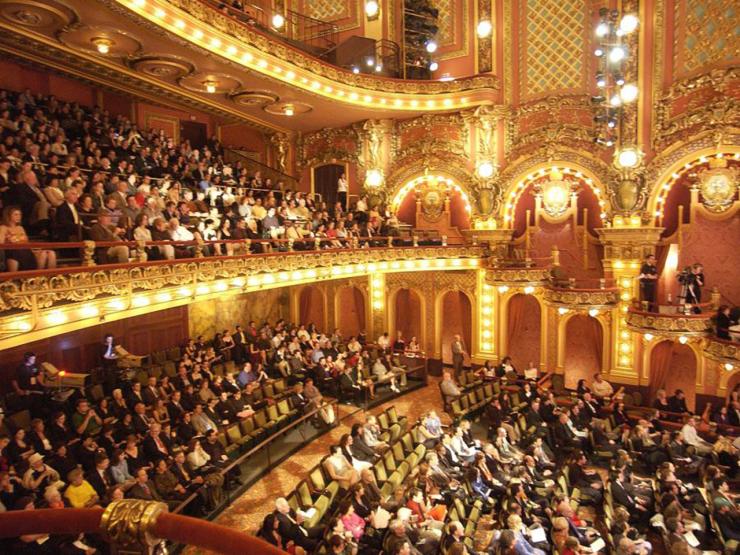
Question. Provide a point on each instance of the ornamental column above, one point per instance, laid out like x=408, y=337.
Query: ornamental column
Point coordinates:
x=626, y=244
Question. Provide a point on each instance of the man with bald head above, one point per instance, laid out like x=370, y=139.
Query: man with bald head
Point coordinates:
x=291, y=526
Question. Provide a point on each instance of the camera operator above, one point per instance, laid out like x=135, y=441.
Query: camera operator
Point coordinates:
x=648, y=282
x=694, y=284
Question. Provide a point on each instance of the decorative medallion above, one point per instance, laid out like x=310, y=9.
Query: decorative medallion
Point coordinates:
x=718, y=185
x=40, y=15
x=162, y=67
x=555, y=194
x=100, y=40
x=212, y=83
x=432, y=194
x=254, y=99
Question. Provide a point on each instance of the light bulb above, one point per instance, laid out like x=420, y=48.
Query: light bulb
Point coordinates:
x=629, y=92
x=210, y=86
x=371, y=8
x=628, y=157
x=102, y=45
x=628, y=23
x=617, y=54
x=602, y=29
x=615, y=100
x=278, y=21
x=288, y=110
x=484, y=29
x=433, y=66
x=485, y=169
x=431, y=47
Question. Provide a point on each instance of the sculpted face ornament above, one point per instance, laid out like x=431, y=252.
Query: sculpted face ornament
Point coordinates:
x=555, y=194
x=718, y=185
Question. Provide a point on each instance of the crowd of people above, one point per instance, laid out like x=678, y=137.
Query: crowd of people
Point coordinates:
x=158, y=439
x=70, y=172
x=551, y=476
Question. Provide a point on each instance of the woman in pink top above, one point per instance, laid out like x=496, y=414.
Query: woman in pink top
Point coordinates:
x=351, y=520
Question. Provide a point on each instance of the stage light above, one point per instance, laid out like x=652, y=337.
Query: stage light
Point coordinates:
x=433, y=66
x=602, y=29
x=617, y=54
x=628, y=23
x=484, y=29
x=431, y=46
x=629, y=92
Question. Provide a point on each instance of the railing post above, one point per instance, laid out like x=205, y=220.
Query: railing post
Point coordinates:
x=129, y=524
x=390, y=241
x=317, y=244
x=355, y=243
x=199, y=247
x=715, y=298
x=556, y=256
x=88, y=253
x=415, y=240
x=141, y=251
x=290, y=245
x=572, y=283
x=444, y=240
x=602, y=283
x=248, y=245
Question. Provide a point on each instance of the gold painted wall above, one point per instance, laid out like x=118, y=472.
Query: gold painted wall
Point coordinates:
x=209, y=317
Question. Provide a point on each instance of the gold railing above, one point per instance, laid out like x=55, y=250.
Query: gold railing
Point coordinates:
x=669, y=325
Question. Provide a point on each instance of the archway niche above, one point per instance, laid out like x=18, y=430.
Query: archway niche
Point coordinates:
x=311, y=307
x=584, y=346
x=350, y=311
x=524, y=328
x=408, y=314
x=672, y=367
x=456, y=318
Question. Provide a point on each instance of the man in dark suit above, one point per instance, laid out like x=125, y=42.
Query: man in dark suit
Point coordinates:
x=291, y=528
x=140, y=420
x=66, y=218
x=240, y=344
x=564, y=437
x=156, y=445
x=174, y=408
x=135, y=395
x=143, y=488
x=621, y=495
x=677, y=403
x=150, y=393
x=100, y=478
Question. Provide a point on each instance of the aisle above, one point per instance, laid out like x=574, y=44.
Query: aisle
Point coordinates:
x=247, y=512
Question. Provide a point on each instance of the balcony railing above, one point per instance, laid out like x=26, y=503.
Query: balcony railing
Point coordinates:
x=669, y=325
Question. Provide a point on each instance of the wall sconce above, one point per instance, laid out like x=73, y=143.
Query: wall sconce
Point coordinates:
x=486, y=169
x=528, y=290
x=372, y=10
x=729, y=367
x=628, y=158
x=278, y=21
x=484, y=29
x=593, y=313
x=374, y=178
x=683, y=340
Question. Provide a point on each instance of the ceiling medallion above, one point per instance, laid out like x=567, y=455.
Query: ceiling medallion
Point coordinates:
x=718, y=185
x=211, y=83
x=254, y=99
x=287, y=108
x=162, y=67
x=104, y=41
x=41, y=15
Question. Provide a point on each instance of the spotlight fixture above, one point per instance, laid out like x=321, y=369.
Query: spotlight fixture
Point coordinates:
x=628, y=23
x=102, y=44
x=210, y=86
x=431, y=46
x=484, y=29
x=378, y=68
x=619, y=79
x=278, y=21
x=370, y=62
x=602, y=29
x=433, y=66
x=629, y=92
x=372, y=9
x=599, y=52
x=600, y=80
x=617, y=54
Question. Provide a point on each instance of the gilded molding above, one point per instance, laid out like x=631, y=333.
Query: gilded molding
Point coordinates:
x=485, y=45
x=330, y=143
x=668, y=324
x=130, y=523
x=628, y=242
x=659, y=63
x=263, y=43
x=516, y=276
x=430, y=143
x=508, y=34
x=582, y=299
x=49, y=291
x=722, y=351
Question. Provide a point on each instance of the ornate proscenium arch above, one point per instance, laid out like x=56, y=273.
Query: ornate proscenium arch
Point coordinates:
x=446, y=165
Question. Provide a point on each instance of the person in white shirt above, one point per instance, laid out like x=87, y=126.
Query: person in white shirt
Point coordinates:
x=690, y=436
x=463, y=450
x=342, y=187
x=384, y=341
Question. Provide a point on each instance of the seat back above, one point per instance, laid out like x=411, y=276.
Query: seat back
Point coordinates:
x=304, y=494
x=383, y=421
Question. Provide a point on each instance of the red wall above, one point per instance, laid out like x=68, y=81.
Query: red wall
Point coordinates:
x=351, y=316
x=456, y=318
x=79, y=351
x=408, y=314
x=17, y=77
x=525, y=346
x=582, y=355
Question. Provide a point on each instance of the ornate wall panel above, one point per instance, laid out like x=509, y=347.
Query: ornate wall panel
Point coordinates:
x=706, y=34
x=345, y=13
x=552, y=54
x=452, y=37
x=327, y=145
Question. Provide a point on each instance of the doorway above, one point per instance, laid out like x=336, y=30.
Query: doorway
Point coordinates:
x=325, y=182
x=195, y=132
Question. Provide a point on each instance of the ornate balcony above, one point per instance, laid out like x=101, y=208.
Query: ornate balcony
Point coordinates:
x=668, y=325
x=582, y=299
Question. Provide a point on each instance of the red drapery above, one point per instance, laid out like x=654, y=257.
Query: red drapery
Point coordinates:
x=359, y=300
x=517, y=305
x=596, y=339
x=660, y=367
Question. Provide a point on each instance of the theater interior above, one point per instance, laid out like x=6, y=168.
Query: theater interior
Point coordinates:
x=369, y=277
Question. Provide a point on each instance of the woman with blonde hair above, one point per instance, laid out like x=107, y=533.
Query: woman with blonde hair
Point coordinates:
x=12, y=232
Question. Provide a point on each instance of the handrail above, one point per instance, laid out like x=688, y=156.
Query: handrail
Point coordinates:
x=273, y=173
x=701, y=316
x=172, y=527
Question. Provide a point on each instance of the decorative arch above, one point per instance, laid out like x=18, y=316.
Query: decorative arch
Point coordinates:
x=696, y=384
x=392, y=312
x=503, y=325
x=447, y=165
x=310, y=304
x=603, y=320
x=439, y=320
x=726, y=378
x=674, y=170
x=355, y=305
x=525, y=176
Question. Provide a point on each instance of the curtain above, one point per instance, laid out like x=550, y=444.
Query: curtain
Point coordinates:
x=517, y=306
x=660, y=367
x=403, y=312
x=359, y=301
x=467, y=317
x=596, y=339
x=304, y=306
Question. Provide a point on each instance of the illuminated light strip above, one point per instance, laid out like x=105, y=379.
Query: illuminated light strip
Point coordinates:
x=227, y=46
